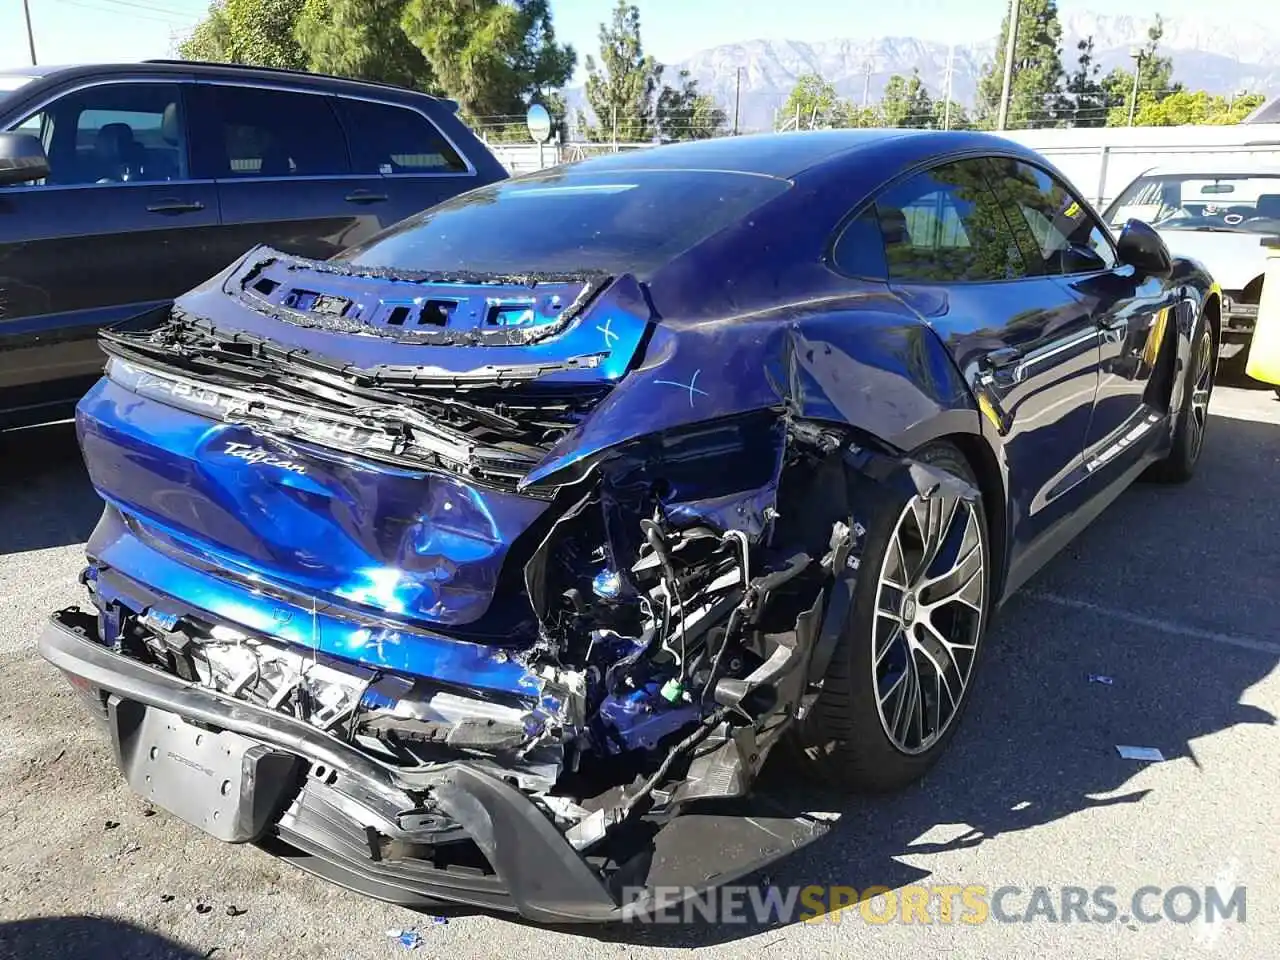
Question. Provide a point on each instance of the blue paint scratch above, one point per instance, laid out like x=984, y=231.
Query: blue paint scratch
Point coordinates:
x=690, y=386
x=609, y=335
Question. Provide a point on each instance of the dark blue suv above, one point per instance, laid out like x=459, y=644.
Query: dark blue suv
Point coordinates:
x=122, y=186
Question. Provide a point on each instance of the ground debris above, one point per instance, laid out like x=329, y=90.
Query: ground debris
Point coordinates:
x=1148, y=754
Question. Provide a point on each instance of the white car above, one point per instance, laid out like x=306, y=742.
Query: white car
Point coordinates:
x=1218, y=215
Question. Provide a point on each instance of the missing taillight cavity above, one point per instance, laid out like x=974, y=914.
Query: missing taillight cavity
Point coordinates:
x=436, y=313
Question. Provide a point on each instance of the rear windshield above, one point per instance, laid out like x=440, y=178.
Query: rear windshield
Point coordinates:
x=620, y=221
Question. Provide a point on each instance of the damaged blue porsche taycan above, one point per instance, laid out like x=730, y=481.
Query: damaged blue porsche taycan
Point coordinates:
x=488, y=561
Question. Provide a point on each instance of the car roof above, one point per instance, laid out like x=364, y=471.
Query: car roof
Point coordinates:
x=786, y=155
x=209, y=69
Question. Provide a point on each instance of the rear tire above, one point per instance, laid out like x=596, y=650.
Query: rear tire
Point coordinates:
x=886, y=711
x=1193, y=419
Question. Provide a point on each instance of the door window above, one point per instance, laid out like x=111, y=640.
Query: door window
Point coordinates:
x=387, y=140
x=1061, y=235
x=945, y=225
x=274, y=133
x=113, y=133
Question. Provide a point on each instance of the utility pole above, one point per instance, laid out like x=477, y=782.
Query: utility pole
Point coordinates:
x=31, y=37
x=737, y=100
x=946, y=108
x=1137, y=75
x=866, y=85
x=1010, y=51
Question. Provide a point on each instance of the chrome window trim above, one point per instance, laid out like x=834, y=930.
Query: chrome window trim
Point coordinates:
x=188, y=78
x=175, y=80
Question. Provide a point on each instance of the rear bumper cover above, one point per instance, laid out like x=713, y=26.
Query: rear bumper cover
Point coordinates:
x=347, y=813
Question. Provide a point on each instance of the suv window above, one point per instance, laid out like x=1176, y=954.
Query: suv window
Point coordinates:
x=274, y=133
x=113, y=133
x=386, y=139
x=1059, y=235
x=945, y=225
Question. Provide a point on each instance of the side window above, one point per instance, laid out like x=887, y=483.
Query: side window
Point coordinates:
x=1061, y=235
x=274, y=133
x=387, y=139
x=945, y=225
x=114, y=133
x=859, y=250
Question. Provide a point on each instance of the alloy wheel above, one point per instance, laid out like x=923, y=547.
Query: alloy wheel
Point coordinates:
x=929, y=612
x=1201, y=391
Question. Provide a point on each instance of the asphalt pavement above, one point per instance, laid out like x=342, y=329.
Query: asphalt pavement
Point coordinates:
x=1171, y=596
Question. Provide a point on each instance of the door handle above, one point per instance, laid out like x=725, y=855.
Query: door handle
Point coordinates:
x=1004, y=357
x=174, y=206
x=1005, y=362
x=1112, y=330
x=365, y=196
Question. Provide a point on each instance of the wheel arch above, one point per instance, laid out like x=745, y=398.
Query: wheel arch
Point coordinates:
x=986, y=469
x=1212, y=311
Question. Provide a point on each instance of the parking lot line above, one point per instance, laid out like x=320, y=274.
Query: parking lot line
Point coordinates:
x=1153, y=623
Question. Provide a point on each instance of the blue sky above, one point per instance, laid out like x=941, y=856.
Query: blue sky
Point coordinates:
x=78, y=30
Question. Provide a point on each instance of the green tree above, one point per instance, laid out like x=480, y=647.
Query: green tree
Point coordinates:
x=1187, y=107
x=255, y=32
x=1155, y=79
x=814, y=103
x=362, y=39
x=211, y=38
x=1085, y=103
x=686, y=114
x=623, y=87
x=957, y=118
x=493, y=57
x=1037, y=69
x=906, y=102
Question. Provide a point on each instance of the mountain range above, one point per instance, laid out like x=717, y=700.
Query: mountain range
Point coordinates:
x=1219, y=57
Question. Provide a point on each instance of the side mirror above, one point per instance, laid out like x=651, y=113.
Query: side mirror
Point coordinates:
x=1141, y=248
x=22, y=159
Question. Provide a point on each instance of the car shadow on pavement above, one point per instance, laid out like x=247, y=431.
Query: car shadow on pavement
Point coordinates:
x=1231, y=374
x=46, y=499
x=1038, y=741
x=87, y=938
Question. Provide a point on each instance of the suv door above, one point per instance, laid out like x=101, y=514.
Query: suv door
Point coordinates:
x=1064, y=239
x=119, y=226
x=282, y=168
x=409, y=165
x=1024, y=342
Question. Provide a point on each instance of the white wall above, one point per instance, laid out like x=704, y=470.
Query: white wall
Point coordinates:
x=1102, y=161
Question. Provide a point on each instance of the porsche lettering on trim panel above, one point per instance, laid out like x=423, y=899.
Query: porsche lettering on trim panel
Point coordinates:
x=488, y=561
